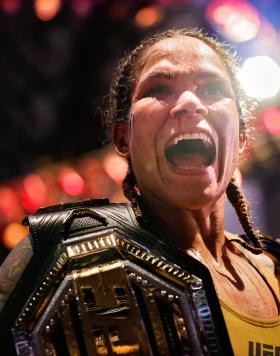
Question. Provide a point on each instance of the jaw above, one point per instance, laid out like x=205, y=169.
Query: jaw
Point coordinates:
x=197, y=180
x=189, y=189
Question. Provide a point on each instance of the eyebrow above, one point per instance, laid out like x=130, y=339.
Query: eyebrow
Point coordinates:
x=162, y=74
x=172, y=75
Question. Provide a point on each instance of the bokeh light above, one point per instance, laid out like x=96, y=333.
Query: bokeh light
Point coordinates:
x=172, y=2
x=13, y=234
x=115, y=167
x=11, y=6
x=9, y=205
x=46, y=9
x=149, y=16
x=271, y=120
x=71, y=182
x=117, y=10
x=260, y=77
x=34, y=194
x=267, y=39
x=81, y=7
x=237, y=20
x=98, y=183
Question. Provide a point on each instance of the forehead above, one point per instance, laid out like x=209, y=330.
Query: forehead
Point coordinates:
x=186, y=54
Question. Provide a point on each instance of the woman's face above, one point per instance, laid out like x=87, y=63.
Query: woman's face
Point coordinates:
x=183, y=131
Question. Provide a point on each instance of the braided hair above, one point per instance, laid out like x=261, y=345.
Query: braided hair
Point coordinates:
x=119, y=104
x=240, y=204
x=129, y=186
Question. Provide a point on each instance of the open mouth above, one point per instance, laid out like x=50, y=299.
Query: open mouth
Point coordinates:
x=191, y=151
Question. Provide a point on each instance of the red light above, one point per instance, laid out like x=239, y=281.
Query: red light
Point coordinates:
x=238, y=20
x=81, y=7
x=9, y=205
x=271, y=119
x=172, y=2
x=115, y=167
x=72, y=183
x=91, y=168
x=148, y=16
x=34, y=193
x=219, y=12
x=11, y=6
x=97, y=182
x=46, y=9
x=13, y=233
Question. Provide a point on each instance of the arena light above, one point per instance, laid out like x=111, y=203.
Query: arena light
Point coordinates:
x=81, y=7
x=34, y=194
x=11, y=6
x=267, y=39
x=260, y=77
x=237, y=20
x=97, y=182
x=271, y=120
x=10, y=208
x=172, y=2
x=71, y=182
x=148, y=16
x=115, y=167
x=46, y=9
x=13, y=234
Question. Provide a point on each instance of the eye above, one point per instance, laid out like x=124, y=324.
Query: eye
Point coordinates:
x=213, y=90
x=158, y=90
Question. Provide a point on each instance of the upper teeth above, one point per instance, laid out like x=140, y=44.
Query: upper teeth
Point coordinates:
x=192, y=136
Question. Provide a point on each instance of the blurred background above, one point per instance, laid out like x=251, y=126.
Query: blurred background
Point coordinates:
x=56, y=63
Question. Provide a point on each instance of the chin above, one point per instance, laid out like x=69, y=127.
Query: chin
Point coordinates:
x=192, y=202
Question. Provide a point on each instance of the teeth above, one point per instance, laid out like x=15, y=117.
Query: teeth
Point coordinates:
x=194, y=136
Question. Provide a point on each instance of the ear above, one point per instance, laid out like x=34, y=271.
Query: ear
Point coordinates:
x=120, y=137
x=243, y=141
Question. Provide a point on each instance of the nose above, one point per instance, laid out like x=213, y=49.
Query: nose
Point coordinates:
x=188, y=105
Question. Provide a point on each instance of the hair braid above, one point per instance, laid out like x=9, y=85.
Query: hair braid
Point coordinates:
x=238, y=201
x=129, y=186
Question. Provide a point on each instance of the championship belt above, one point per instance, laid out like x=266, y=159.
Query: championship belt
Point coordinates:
x=99, y=284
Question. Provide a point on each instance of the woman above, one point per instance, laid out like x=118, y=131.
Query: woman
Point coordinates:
x=181, y=122
x=180, y=118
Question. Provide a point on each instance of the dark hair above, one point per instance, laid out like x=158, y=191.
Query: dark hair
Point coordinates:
x=120, y=102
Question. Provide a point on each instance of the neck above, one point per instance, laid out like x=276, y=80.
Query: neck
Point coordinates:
x=200, y=230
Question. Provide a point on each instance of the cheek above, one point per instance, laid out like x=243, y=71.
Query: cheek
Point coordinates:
x=225, y=118
x=147, y=116
x=148, y=108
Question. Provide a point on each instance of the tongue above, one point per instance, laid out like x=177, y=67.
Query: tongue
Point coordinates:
x=188, y=160
x=190, y=154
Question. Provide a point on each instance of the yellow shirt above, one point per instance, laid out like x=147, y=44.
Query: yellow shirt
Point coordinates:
x=252, y=336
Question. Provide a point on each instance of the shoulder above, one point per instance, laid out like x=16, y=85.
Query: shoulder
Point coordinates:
x=13, y=267
x=52, y=225
x=271, y=248
x=269, y=258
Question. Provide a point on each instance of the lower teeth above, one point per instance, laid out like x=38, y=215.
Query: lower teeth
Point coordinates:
x=190, y=154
